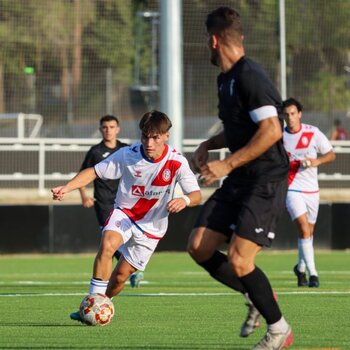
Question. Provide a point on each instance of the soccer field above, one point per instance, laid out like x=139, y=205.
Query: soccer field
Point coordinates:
x=177, y=307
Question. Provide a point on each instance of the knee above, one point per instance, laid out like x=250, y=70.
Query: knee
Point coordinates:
x=196, y=249
x=239, y=265
x=110, y=242
x=193, y=250
x=106, y=249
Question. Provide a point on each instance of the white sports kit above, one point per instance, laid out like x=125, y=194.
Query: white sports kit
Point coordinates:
x=140, y=212
x=303, y=189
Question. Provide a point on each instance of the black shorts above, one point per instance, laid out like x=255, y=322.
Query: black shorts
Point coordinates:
x=102, y=212
x=250, y=211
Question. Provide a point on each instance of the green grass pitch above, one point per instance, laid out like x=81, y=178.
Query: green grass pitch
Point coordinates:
x=177, y=307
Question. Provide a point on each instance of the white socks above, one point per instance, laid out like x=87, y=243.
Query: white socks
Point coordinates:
x=307, y=256
x=301, y=261
x=98, y=286
x=280, y=326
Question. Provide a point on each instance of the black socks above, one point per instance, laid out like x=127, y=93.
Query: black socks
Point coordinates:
x=261, y=295
x=219, y=268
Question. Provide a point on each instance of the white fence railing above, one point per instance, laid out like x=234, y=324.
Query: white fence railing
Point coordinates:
x=43, y=160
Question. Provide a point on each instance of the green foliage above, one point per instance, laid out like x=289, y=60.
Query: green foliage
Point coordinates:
x=109, y=38
x=328, y=93
x=41, y=34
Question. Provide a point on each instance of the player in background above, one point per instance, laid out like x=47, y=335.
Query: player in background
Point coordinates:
x=338, y=132
x=303, y=143
x=245, y=209
x=148, y=172
x=105, y=190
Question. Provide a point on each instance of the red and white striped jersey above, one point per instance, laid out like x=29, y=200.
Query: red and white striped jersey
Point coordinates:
x=307, y=142
x=146, y=186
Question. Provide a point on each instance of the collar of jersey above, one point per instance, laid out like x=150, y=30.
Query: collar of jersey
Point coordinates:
x=165, y=151
x=292, y=133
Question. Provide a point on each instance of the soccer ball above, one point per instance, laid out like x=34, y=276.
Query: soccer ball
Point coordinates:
x=96, y=310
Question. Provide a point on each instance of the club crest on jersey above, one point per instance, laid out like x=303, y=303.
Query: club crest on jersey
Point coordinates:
x=305, y=140
x=138, y=191
x=166, y=176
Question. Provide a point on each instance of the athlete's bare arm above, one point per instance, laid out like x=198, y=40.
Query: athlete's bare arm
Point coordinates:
x=178, y=204
x=268, y=133
x=200, y=156
x=82, y=179
x=323, y=159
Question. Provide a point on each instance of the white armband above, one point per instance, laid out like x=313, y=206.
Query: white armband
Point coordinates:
x=187, y=200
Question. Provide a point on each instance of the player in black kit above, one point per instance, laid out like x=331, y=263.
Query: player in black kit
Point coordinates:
x=105, y=190
x=244, y=211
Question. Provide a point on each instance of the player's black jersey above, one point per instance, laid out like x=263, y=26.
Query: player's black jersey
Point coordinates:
x=104, y=190
x=243, y=89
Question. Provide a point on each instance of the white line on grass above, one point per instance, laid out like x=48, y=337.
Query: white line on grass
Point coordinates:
x=173, y=294
x=49, y=283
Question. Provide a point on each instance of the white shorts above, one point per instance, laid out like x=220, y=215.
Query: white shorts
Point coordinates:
x=137, y=248
x=299, y=203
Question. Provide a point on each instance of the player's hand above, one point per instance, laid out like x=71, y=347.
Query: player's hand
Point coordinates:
x=176, y=205
x=200, y=157
x=308, y=162
x=88, y=202
x=58, y=193
x=214, y=171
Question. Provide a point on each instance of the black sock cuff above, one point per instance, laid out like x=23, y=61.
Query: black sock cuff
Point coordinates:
x=219, y=268
x=214, y=262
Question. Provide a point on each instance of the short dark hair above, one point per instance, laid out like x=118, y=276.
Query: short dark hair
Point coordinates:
x=292, y=102
x=154, y=122
x=108, y=118
x=225, y=22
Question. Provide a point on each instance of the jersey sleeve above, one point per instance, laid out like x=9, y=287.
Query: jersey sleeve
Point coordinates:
x=186, y=178
x=111, y=167
x=323, y=144
x=259, y=94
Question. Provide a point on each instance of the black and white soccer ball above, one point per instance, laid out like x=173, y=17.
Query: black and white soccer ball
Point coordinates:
x=96, y=310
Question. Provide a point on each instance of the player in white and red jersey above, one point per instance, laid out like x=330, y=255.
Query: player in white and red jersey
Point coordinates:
x=147, y=186
x=148, y=172
x=303, y=143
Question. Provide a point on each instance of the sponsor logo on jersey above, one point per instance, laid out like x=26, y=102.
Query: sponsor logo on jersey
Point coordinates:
x=153, y=193
x=137, y=173
x=259, y=230
x=106, y=154
x=138, y=191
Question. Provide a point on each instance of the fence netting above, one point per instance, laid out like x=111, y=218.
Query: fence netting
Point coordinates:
x=72, y=61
